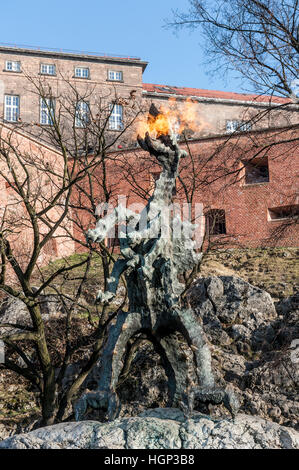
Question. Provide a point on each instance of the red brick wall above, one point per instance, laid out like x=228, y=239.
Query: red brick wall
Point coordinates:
x=220, y=183
x=246, y=206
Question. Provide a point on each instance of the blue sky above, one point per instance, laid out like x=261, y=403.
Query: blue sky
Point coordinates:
x=128, y=27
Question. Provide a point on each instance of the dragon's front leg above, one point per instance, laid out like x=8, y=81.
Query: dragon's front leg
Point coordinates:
x=102, y=230
x=119, y=267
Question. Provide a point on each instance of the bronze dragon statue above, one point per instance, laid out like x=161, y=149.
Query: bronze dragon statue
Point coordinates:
x=153, y=256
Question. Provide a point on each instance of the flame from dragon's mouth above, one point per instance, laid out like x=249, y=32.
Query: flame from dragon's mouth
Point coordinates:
x=173, y=118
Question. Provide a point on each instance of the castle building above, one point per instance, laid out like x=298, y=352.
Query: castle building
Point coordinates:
x=257, y=135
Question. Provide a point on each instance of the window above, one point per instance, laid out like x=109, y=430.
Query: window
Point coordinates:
x=50, y=248
x=215, y=219
x=237, y=126
x=11, y=108
x=13, y=66
x=256, y=171
x=82, y=72
x=48, y=69
x=284, y=212
x=115, y=76
x=116, y=118
x=113, y=242
x=82, y=114
x=47, y=111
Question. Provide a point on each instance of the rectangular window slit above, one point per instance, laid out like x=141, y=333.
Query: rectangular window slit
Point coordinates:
x=215, y=219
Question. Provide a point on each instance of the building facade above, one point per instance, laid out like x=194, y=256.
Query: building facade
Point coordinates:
x=25, y=73
x=243, y=164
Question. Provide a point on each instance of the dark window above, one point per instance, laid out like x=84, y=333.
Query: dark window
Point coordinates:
x=216, y=221
x=113, y=242
x=256, y=171
x=284, y=212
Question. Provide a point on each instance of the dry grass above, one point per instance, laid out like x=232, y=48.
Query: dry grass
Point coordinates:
x=275, y=270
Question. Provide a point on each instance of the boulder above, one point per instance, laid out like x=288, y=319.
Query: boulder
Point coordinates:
x=13, y=310
x=50, y=304
x=232, y=309
x=160, y=429
x=288, y=304
x=287, y=325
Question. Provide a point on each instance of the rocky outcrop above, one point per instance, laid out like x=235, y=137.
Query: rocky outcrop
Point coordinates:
x=288, y=304
x=50, y=304
x=160, y=429
x=261, y=368
x=251, y=351
x=13, y=310
x=233, y=309
x=252, y=340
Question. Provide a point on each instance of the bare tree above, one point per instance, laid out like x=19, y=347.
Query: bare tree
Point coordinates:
x=259, y=39
x=57, y=175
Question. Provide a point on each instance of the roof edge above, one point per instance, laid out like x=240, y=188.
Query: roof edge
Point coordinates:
x=96, y=56
x=207, y=95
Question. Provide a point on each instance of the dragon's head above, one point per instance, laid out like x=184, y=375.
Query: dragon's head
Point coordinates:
x=165, y=149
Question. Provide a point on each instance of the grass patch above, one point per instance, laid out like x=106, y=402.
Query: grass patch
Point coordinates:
x=67, y=283
x=275, y=270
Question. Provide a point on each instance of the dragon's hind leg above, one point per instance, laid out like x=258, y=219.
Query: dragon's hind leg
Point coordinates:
x=206, y=392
